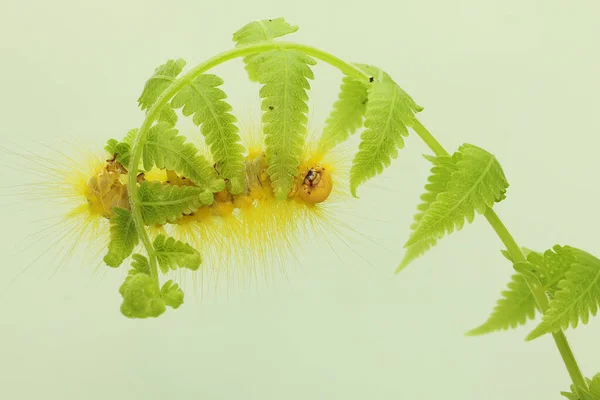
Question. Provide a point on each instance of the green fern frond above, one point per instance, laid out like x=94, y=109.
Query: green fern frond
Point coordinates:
x=141, y=296
x=284, y=75
x=163, y=76
x=577, y=297
x=168, y=115
x=516, y=306
x=591, y=393
x=167, y=150
x=552, y=266
x=205, y=100
x=140, y=263
x=265, y=30
x=123, y=237
x=477, y=183
x=171, y=294
x=594, y=386
x=161, y=203
x=347, y=114
x=389, y=111
x=531, y=272
x=438, y=181
x=172, y=254
x=111, y=144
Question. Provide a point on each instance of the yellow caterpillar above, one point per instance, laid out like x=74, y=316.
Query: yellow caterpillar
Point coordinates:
x=237, y=202
x=240, y=236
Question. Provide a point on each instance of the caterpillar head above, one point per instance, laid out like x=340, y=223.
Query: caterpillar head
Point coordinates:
x=313, y=185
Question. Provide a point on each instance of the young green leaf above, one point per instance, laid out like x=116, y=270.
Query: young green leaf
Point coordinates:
x=553, y=266
x=205, y=100
x=389, y=111
x=123, y=152
x=163, y=76
x=173, y=253
x=112, y=144
x=263, y=30
x=437, y=183
x=167, y=150
x=477, y=183
x=172, y=294
x=594, y=386
x=123, y=237
x=347, y=114
x=260, y=31
x=162, y=203
x=577, y=297
x=507, y=255
x=141, y=296
x=140, y=263
x=168, y=115
x=531, y=272
x=284, y=74
x=516, y=306
x=592, y=392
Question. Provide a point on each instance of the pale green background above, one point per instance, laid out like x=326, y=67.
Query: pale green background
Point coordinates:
x=517, y=77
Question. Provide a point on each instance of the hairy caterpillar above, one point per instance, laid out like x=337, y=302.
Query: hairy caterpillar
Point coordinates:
x=161, y=202
x=239, y=236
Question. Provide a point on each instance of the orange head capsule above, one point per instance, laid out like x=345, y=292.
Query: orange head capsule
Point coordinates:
x=314, y=185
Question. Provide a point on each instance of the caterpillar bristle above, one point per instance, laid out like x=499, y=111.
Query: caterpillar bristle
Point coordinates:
x=243, y=239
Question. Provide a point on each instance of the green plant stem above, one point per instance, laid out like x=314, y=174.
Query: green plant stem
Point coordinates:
x=154, y=111
x=540, y=298
x=515, y=251
x=347, y=69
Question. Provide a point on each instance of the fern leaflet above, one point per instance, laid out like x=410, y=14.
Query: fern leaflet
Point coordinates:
x=163, y=76
x=441, y=172
x=260, y=31
x=171, y=294
x=591, y=393
x=167, y=150
x=389, y=111
x=516, y=306
x=284, y=75
x=168, y=115
x=173, y=253
x=162, y=203
x=552, y=266
x=577, y=297
x=477, y=183
x=140, y=263
x=141, y=295
x=123, y=237
x=205, y=100
x=347, y=114
x=122, y=149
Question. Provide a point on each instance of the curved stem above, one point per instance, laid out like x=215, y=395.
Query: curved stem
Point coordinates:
x=515, y=251
x=180, y=83
x=348, y=69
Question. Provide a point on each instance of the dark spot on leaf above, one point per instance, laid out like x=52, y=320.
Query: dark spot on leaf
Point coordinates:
x=271, y=107
x=371, y=79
